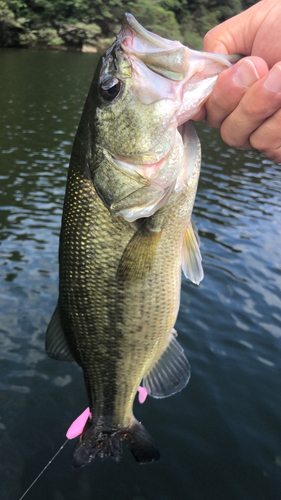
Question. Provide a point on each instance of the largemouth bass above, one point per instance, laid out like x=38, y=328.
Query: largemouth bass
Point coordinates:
x=127, y=232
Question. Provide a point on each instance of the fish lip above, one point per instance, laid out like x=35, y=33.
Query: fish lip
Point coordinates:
x=169, y=58
x=156, y=42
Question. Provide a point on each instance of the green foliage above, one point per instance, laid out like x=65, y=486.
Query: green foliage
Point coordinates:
x=18, y=7
x=7, y=16
x=8, y=26
x=78, y=34
x=96, y=22
x=193, y=41
x=248, y=3
x=49, y=36
x=206, y=21
x=155, y=18
x=28, y=39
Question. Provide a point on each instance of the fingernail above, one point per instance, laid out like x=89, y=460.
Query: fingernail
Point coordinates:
x=273, y=79
x=246, y=74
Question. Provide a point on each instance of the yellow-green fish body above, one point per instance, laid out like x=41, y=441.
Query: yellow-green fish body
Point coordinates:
x=127, y=232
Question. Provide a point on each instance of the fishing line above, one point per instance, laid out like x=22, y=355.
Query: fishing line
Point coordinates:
x=46, y=466
x=75, y=430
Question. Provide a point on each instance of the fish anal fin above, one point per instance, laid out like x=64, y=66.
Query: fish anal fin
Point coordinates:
x=141, y=444
x=171, y=372
x=138, y=256
x=56, y=344
x=191, y=261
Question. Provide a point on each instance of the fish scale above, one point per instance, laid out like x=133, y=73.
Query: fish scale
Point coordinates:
x=127, y=232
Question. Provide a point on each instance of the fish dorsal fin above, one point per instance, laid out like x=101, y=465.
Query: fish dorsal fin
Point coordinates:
x=171, y=372
x=138, y=256
x=56, y=344
x=191, y=261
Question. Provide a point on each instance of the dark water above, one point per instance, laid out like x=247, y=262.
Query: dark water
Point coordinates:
x=220, y=438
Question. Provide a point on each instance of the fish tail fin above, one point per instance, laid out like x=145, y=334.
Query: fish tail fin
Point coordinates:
x=93, y=442
x=96, y=442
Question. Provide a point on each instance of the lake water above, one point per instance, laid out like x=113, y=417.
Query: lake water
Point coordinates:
x=220, y=438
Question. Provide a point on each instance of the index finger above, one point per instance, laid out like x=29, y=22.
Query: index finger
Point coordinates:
x=237, y=34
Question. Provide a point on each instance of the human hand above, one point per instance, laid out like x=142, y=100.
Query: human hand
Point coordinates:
x=246, y=100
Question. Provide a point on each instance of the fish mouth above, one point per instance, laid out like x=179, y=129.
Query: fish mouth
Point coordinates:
x=169, y=57
x=165, y=57
x=146, y=40
x=166, y=69
x=176, y=78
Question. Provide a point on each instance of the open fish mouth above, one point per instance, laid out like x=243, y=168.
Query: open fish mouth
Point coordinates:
x=163, y=79
x=166, y=69
x=165, y=57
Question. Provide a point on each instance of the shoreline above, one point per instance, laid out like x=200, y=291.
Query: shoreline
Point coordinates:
x=85, y=49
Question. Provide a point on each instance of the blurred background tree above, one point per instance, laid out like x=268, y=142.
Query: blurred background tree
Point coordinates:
x=75, y=23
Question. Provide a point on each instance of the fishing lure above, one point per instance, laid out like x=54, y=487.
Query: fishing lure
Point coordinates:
x=75, y=430
x=77, y=426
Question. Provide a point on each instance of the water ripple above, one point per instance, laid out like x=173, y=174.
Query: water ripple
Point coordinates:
x=225, y=426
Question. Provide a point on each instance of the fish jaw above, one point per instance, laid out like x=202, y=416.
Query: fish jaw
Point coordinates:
x=166, y=69
x=163, y=85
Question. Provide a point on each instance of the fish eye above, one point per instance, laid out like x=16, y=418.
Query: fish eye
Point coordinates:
x=110, y=88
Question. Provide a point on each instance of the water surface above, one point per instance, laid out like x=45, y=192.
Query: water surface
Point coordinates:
x=220, y=438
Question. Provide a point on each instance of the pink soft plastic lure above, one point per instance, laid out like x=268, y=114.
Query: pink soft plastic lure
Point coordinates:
x=77, y=426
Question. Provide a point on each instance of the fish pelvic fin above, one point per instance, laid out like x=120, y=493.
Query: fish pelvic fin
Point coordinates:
x=105, y=444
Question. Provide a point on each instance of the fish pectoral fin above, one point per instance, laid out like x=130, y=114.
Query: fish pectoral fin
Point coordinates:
x=56, y=344
x=191, y=260
x=171, y=372
x=138, y=256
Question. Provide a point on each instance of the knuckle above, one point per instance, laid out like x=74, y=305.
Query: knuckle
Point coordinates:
x=228, y=140
x=258, y=143
x=212, y=122
x=208, y=39
x=266, y=138
x=258, y=109
x=276, y=156
x=267, y=149
x=232, y=135
x=249, y=110
x=271, y=154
